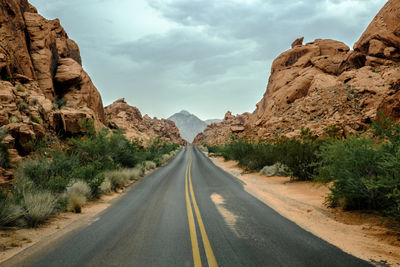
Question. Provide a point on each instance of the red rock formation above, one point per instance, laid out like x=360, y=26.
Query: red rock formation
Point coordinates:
x=323, y=83
x=121, y=115
x=217, y=133
x=38, y=64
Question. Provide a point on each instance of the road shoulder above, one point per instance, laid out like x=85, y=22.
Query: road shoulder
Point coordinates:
x=362, y=235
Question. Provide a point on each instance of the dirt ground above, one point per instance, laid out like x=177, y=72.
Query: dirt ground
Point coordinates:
x=366, y=235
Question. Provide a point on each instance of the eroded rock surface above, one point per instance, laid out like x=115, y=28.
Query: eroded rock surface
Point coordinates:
x=128, y=118
x=324, y=83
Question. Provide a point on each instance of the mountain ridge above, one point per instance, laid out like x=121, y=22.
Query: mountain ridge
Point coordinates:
x=190, y=125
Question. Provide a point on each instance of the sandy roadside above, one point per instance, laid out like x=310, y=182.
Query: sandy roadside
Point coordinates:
x=362, y=235
x=14, y=241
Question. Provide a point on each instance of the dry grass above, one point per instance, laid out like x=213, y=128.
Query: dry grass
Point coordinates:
x=149, y=165
x=106, y=186
x=10, y=213
x=38, y=206
x=78, y=194
x=117, y=179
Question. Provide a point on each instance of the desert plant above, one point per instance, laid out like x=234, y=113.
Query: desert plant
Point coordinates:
x=33, y=101
x=133, y=173
x=106, y=186
x=13, y=119
x=10, y=213
x=78, y=194
x=59, y=102
x=20, y=88
x=149, y=165
x=34, y=119
x=22, y=105
x=117, y=179
x=38, y=206
x=353, y=169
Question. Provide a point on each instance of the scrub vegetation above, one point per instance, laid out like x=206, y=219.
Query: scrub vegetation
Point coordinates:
x=362, y=172
x=63, y=176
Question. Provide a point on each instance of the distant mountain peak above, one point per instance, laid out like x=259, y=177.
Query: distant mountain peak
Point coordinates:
x=185, y=112
x=189, y=125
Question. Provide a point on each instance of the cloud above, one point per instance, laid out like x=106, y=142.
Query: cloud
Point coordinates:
x=206, y=56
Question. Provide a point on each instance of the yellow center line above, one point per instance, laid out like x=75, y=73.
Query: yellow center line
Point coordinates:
x=192, y=227
x=207, y=246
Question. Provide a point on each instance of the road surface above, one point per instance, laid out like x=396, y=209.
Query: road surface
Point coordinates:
x=190, y=213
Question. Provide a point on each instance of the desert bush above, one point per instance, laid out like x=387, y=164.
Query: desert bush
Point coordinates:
x=10, y=213
x=52, y=174
x=38, y=205
x=22, y=105
x=117, y=179
x=106, y=187
x=149, y=165
x=34, y=119
x=300, y=157
x=13, y=119
x=133, y=173
x=78, y=194
x=362, y=175
x=33, y=101
x=20, y=88
x=59, y=102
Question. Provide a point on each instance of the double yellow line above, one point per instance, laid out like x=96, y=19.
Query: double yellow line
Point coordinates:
x=192, y=227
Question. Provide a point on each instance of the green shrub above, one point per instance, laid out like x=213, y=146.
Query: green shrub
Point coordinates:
x=52, y=174
x=13, y=119
x=4, y=154
x=20, y=88
x=59, y=102
x=38, y=206
x=300, y=156
x=22, y=105
x=33, y=101
x=87, y=126
x=351, y=166
x=34, y=119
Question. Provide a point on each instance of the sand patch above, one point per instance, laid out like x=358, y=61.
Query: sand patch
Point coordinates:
x=229, y=217
x=368, y=236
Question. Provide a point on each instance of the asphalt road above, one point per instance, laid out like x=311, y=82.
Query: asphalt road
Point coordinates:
x=190, y=213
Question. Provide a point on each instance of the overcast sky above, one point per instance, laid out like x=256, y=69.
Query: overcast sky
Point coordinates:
x=205, y=56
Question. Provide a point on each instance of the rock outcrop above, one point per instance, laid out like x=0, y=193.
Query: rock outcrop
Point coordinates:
x=123, y=116
x=217, y=133
x=43, y=88
x=324, y=83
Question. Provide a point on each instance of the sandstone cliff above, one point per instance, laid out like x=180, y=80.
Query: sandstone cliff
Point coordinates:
x=324, y=83
x=43, y=87
x=123, y=116
x=218, y=133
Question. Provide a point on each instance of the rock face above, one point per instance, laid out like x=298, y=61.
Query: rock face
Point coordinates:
x=188, y=124
x=43, y=87
x=324, y=83
x=217, y=133
x=123, y=116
